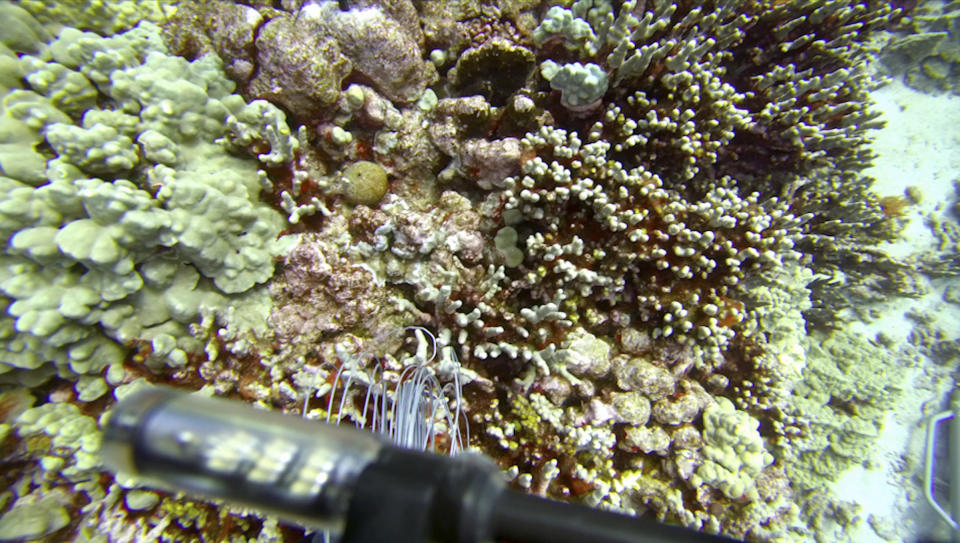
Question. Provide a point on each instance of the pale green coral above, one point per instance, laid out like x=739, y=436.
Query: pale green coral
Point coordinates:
x=104, y=16
x=73, y=436
x=560, y=22
x=506, y=243
x=65, y=444
x=26, y=112
x=96, y=149
x=20, y=32
x=588, y=26
x=256, y=121
x=837, y=410
x=733, y=450
x=579, y=84
x=33, y=519
x=93, y=261
x=171, y=232
x=67, y=90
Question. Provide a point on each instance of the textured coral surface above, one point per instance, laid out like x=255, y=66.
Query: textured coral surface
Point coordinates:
x=635, y=229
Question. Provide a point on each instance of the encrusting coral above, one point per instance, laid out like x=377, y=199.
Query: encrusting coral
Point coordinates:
x=622, y=239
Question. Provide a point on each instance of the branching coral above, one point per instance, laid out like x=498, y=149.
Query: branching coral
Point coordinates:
x=767, y=100
x=598, y=234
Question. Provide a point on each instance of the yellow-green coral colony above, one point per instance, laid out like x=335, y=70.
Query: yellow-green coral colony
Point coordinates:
x=364, y=183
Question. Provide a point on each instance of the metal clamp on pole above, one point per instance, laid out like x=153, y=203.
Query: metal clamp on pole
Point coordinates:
x=954, y=456
x=348, y=482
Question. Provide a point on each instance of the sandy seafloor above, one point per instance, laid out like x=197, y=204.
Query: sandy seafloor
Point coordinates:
x=919, y=146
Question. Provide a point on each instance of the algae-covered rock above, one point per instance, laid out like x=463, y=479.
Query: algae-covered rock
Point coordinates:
x=928, y=55
x=299, y=66
x=382, y=50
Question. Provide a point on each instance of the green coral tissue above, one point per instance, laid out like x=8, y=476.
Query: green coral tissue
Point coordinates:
x=128, y=203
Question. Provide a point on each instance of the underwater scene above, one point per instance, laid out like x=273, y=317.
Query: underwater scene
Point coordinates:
x=695, y=262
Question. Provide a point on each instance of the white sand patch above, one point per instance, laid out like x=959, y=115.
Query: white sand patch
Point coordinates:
x=920, y=147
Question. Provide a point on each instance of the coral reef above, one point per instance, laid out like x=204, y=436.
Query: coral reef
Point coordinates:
x=621, y=218
x=134, y=241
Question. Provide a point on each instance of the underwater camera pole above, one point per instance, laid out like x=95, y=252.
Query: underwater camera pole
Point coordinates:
x=953, y=460
x=348, y=482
